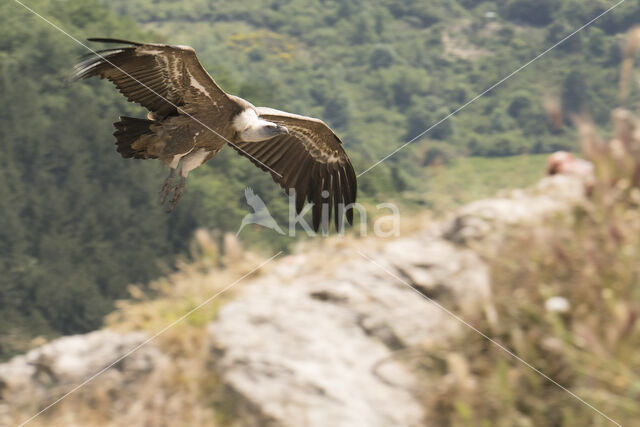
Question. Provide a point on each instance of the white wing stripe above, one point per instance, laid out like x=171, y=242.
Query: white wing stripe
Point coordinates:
x=196, y=84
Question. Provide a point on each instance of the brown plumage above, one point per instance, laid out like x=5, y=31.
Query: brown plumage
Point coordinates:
x=191, y=118
x=310, y=159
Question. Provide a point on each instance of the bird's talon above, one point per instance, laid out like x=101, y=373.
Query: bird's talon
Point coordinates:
x=177, y=195
x=166, y=187
x=178, y=191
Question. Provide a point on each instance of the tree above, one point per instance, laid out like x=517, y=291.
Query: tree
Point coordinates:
x=575, y=94
x=381, y=57
x=538, y=13
x=337, y=111
x=519, y=106
x=597, y=42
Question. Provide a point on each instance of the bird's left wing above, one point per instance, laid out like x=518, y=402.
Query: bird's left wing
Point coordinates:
x=310, y=159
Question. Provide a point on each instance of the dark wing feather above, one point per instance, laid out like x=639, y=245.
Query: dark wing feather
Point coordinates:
x=158, y=77
x=310, y=159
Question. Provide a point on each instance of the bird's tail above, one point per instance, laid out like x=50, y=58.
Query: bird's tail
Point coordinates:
x=133, y=137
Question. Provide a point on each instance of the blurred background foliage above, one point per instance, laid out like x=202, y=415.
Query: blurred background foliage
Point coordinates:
x=79, y=223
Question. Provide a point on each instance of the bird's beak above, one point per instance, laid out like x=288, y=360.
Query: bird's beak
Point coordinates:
x=283, y=130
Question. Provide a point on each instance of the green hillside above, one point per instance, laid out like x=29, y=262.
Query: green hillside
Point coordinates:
x=79, y=223
x=381, y=72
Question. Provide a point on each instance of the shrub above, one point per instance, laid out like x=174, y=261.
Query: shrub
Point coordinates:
x=567, y=301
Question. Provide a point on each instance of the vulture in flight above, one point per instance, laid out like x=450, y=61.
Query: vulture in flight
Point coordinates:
x=191, y=118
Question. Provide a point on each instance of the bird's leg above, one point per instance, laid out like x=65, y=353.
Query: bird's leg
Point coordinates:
x=166, y=187
x=178, y=191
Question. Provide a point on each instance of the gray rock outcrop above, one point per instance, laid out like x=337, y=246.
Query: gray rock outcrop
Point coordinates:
x=313, y=340
x=303, y=345
x=41, y=375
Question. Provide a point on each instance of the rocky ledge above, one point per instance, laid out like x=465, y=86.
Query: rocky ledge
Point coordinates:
x=312, y=341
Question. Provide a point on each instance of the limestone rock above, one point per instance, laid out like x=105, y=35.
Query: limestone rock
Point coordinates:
x=314, y=340
x=481, y=218
x=43, y=373
x=301, y=346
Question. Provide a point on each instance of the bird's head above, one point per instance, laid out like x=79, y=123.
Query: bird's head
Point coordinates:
x=251, y=128
x=273, y=129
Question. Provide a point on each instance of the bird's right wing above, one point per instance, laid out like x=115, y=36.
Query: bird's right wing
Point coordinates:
x=161, y=78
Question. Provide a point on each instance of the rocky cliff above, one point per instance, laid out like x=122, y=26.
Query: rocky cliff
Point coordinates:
x=313, y=340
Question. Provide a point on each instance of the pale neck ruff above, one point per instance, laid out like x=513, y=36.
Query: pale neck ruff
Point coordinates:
x=246, y=119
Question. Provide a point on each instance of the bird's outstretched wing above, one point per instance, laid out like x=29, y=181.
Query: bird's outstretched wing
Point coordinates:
x=310, y=159
x=159, y=77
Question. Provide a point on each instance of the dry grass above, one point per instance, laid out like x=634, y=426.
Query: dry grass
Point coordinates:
x=185, y=391
x=590, y=260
